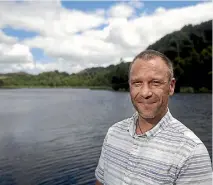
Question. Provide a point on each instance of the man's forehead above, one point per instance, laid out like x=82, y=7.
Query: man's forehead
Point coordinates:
x=150, y=75
x=153, y=62
x=151, y=65
x=155, y=66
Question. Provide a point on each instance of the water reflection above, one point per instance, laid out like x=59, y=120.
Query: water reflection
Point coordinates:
x=54, y=136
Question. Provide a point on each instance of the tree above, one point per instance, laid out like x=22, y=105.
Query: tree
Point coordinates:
x=1, y=83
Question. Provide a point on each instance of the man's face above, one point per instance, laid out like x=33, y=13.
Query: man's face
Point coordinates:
x=150, y=87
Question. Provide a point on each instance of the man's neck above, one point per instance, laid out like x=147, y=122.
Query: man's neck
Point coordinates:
x=147, y=124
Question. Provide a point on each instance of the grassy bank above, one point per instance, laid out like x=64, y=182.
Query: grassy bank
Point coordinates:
x=53, y=87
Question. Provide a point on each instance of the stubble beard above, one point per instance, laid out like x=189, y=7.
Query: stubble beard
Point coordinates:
x=147, y=116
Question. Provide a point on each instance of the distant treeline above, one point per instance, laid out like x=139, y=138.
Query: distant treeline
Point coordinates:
x=190, y=50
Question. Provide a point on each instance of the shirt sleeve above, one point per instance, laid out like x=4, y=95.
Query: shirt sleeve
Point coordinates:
x=99, y=172
x=197, y=169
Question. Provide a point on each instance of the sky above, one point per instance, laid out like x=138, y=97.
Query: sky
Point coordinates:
x=69, y=36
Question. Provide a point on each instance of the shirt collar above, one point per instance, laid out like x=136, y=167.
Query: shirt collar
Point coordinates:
x=161, y=125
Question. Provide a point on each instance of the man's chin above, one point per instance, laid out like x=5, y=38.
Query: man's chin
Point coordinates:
x=147, y=116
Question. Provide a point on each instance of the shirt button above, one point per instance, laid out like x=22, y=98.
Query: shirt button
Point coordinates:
x=134, y=152
x=126, y=179
x=135, y=146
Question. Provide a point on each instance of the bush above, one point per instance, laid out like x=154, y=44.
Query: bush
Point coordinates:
x=203, y=90
x=1, y=83
x=187, y=90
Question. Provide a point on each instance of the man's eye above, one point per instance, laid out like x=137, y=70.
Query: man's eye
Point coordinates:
x=155, y=83
x=137, y=83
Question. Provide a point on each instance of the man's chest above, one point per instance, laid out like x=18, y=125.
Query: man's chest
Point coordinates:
x=138, y=161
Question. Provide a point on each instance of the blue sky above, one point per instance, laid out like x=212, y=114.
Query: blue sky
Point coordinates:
x=21, y=27
x=93, y=5
x=150, y=5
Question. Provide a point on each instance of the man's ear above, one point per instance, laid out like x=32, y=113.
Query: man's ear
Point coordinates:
x=172, y=86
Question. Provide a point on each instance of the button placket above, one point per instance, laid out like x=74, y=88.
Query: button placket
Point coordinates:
x=131, y=164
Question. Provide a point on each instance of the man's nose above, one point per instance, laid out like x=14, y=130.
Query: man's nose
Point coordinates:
x=145, y=91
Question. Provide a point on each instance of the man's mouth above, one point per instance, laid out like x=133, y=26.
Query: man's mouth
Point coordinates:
x=147, y=103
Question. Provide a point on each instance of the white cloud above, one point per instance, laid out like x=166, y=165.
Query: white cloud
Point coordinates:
x=72, y=39
x=7, y=39
x=12, y=54
x=16, y=53
x=136, y=3
x=49, y=19
x=160, y=10
x=60, y=65
x=121, y=10
x=123, y=34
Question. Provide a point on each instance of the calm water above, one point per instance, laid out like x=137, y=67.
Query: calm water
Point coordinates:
x=54, y=136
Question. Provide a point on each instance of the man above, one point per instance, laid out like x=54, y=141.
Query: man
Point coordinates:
x=152, y=147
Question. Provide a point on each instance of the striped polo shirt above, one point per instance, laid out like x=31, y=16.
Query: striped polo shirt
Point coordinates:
x=168, y=154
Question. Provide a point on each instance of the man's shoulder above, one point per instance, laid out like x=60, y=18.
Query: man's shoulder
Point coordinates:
x=184, y=132
x=122, y=124
x=190, y=146
x=118, y=132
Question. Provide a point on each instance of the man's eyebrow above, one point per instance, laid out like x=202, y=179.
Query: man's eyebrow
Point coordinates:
x=134, y=78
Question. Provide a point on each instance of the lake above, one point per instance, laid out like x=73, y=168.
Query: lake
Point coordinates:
x=54, y=136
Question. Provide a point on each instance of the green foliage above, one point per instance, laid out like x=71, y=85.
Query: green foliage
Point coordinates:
x=190, y=50
x=1, y=83
x=203, y=90
x=187, y=90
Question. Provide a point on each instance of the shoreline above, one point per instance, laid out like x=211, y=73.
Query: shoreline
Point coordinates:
x=108, y=88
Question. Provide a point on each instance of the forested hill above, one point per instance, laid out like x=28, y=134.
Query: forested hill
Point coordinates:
x=190, y=50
